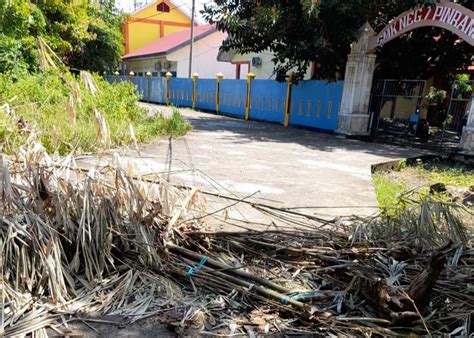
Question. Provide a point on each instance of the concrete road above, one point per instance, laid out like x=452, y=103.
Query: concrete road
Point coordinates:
x=288, y=167
x=315, y=173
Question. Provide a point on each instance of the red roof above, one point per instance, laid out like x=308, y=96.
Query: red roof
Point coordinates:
x=171, y=42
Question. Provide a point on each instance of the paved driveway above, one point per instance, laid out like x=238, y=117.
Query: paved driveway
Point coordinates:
x=288, y=167
x=313, y=172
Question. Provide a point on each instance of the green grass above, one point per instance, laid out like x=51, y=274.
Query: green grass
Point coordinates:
x=390, y=188
x=43, y=105
x=175, y=125
x=455, y=175
x=388, y=192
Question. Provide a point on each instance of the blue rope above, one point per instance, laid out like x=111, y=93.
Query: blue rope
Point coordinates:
x=304, y=295
x=195, y=268
x=298, y=296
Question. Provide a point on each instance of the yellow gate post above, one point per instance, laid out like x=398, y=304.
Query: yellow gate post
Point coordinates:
x=219, y=77
x=168, y=77
x=288, y=100
x=250, y=77
x=195, y=77
x=148, y=76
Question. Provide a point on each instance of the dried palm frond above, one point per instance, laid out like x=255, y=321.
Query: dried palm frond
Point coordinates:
x=58, y=235
x=103, y=130
x=72, y=109
x=75, y=91
x=430, y=222
x=100, y=241
x=439, y=221
x=134, y=139
x=88, y=80
x=47, y=57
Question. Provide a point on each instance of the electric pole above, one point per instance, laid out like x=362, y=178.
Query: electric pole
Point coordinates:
x=192, y=40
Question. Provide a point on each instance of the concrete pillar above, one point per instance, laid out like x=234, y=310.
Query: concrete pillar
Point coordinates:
x=467, y=138
x=354, y=115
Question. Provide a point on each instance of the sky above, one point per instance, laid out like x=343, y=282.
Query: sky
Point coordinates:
x=127, y=5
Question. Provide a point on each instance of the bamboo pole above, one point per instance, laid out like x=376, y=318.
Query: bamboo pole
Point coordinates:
x=280, y=297
x=237, y=271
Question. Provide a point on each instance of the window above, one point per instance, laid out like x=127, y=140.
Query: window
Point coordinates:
x=163, y=7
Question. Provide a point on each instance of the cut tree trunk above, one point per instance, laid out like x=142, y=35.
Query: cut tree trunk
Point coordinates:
x=398, y=305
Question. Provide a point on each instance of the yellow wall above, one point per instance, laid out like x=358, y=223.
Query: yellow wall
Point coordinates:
x=141, y=34
x=404, y=107
x=172, y=29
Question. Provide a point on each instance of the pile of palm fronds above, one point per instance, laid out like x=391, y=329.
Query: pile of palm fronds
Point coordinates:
x=104, y=241
x=73, y=242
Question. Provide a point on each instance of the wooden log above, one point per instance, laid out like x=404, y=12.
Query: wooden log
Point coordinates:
x=404, y=307
x=421, y=286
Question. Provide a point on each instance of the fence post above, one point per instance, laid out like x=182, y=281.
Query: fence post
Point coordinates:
x=195, y=77
x=288, y=100
x=168, y=77
x=219, y=77
x=148, y=76
x=250, y=77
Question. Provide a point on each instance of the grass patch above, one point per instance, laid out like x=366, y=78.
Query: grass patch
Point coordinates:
x=391, y=187
x=175, y=125
x=60, y=110
x=452, y=175
x=388, y=192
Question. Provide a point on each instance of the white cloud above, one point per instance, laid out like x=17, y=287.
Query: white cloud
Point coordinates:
x=125, y=5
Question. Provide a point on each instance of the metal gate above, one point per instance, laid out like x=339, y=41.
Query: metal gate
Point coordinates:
x=392, y=102
x=457, y=108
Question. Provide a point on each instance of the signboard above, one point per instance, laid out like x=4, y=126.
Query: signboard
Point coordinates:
x=447, y=15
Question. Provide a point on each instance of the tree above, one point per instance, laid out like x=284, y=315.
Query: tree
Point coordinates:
x=19, y=24
x=299, y=32
x=103, y=51
x=85, y=35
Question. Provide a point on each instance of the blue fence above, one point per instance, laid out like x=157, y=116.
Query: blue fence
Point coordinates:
x=117, y=78
x=316, y=104
x=206, y=94
x=140, y=82
x=313, y=104
x=181, y=92
x=157, y=90
x=268, y=100
x=233, y=94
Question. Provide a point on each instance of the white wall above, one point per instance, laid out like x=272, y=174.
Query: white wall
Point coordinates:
x=204, y=58
x=147, y=65
x=265, y=70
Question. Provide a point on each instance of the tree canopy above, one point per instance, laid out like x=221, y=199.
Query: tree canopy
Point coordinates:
x=299, y=32
x=84, y=34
